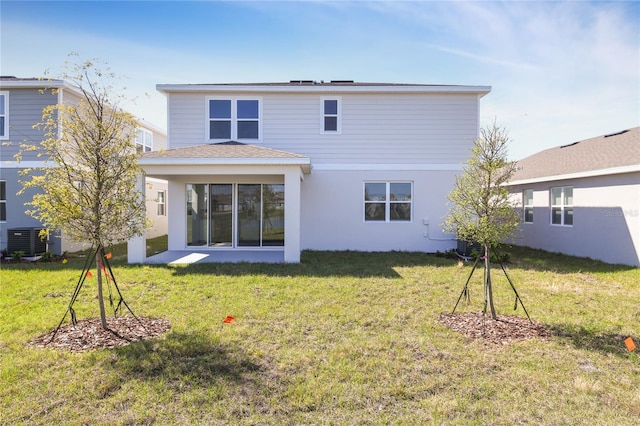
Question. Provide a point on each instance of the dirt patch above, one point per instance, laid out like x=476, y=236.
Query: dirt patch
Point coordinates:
x=504, y=330
x=88, y=334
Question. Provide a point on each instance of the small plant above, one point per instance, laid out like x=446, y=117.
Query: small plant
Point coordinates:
x=47, y=256
x=17, y=255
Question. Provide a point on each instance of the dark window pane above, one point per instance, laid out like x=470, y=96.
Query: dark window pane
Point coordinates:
x=3, y=190
x=220, y=130
x=375, y=191
x=528, y=214
x=331, y=107
x=2, y=99
x=330, y=124
x=568, y=216
x=249, y=215
x=374, y=211
x=400, y=211
x=556, y=216
x=1, y=126
x=248, y=109
x=247, y=130
x=273, y=215
x=219, y=108
x=3, y=211
x=400, y=192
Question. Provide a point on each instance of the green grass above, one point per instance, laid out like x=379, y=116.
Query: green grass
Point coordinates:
x=341, y=338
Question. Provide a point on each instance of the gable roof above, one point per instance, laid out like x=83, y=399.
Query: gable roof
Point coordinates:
x=231, y=152
x=608, y=154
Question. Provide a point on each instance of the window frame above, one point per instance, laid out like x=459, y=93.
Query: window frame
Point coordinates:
x=162, y=202
x=3, y=200
x=142, y=147
x=563, y=207
x=324, y=115
x=234, y=119
x=527, y=206
x=388, y=202
x=4, y=128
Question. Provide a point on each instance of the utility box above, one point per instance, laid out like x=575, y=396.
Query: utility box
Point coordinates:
x=26, y=240
x=465, y=248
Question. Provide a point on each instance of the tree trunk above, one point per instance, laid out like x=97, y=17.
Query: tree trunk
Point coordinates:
x=103, y=316
x=487, y=275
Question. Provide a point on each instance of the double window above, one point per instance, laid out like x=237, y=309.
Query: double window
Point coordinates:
x=331, y=115
x=527, y=205
x=387, y=201
x=4, y=115
x=231, y=119
x=144, y=140
x=561, y=205
x=3, y=201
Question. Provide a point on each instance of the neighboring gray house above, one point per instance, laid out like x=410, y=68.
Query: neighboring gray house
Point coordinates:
x=21, y=103
x=262, y=171
x=583, y=198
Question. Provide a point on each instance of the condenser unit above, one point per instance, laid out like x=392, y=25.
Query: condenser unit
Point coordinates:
x=26, y=240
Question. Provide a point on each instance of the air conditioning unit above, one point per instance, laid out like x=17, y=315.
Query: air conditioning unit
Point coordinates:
x=466, y=248
x=26, y=240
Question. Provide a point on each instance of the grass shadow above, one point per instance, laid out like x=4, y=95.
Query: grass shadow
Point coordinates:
x=591, y=340
x=179, y=359
x=540, y=260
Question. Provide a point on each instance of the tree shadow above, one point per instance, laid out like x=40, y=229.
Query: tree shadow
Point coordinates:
x=591, y=340
x=184, y=359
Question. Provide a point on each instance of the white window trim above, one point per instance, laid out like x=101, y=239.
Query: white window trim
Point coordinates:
x=338, y=130
x=162, y=203
x=387, y=202
x=6, y=115
x=525, y=206
x=4, y=201
x=562, y=206
x=144, y=132
x=234, y=118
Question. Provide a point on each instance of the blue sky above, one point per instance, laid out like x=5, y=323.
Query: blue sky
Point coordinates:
x=560, y=71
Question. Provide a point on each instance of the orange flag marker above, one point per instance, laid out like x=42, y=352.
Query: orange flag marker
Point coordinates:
x=107, y=256
x=630, y=343
x=89, y=274
x=228, y=320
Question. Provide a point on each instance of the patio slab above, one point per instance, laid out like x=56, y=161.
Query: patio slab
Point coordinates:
x=187, y=257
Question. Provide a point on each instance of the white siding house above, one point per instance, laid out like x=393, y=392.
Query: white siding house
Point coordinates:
x=583, y=198
x=263, y=171
x=21, y=104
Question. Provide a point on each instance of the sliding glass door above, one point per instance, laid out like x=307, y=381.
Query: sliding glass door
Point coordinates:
x=235, y=215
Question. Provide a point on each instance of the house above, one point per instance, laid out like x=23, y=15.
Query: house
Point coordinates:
x=583, y=198
x=259, y=172
x=22, y=101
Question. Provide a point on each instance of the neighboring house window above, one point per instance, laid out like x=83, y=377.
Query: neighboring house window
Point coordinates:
x=331, y=120
x=161, y=203
x=387, y=201
x=527, y=205
x=562, y=205
x=4, y=115
x=231, y=119
x=144, y=140
x=3, y=201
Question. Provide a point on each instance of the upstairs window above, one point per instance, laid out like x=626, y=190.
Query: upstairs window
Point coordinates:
x=234, y=119
x=144, y=140
x=3, y=201
x=387, y=201
x=331, y=109
x=562, y=205
x=527, y=205
x=4, y=115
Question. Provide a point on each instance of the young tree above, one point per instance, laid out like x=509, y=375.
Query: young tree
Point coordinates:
x=87, y=188
x=482, y=210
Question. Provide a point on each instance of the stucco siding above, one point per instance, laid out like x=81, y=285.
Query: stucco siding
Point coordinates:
x=606, y=219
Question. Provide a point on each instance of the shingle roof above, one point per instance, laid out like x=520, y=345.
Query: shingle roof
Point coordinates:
x=618, y=149
x=229, y=149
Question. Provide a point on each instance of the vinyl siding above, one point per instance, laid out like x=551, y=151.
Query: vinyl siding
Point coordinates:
x=376, y=128
x=25, y=110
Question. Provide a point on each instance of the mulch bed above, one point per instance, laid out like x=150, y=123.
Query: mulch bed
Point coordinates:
x=88, y=334
x=504, y=330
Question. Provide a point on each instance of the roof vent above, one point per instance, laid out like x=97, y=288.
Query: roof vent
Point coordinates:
x=342, y=81
x=616, y=134
x=568, y=145
x=8, y=76
x=301, y=81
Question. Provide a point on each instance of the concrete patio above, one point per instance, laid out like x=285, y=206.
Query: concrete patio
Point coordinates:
x=187, y=257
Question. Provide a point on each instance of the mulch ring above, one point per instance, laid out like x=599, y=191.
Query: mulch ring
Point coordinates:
x=504, y=330
x=88, y=334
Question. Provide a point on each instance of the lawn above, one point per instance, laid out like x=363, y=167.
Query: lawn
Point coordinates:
x=341, y=338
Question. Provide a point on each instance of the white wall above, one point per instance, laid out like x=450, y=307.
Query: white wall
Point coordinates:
x=606, y=222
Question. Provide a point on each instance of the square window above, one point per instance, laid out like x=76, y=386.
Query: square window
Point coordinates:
x=219, y=108
x=330, y=124
x=388, y=201
x=248, y=109
x=234, y=119
x=220, y=129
